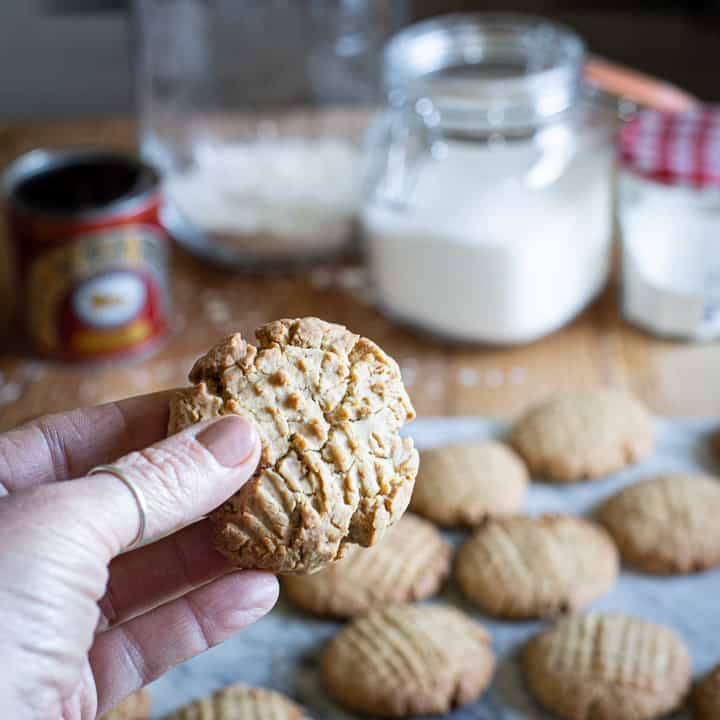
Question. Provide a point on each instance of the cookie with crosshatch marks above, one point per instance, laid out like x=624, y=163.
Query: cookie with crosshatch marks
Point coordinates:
x=528, y=567
x=667, y=524
x=240, y=701
x=408, y=660
x=134, y=707
x=410, y=563
x=715, y=444
x=583, y=433
x=334, y=470
x=706, y=696
x=607, y=666
x=465, y=483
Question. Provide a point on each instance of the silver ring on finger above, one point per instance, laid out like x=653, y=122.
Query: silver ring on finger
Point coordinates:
x=137, y=495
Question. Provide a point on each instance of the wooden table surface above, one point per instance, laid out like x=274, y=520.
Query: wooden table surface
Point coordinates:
x=673, y=378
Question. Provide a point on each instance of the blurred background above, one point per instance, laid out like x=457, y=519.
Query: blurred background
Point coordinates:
x=457, y=199
x=673, y=39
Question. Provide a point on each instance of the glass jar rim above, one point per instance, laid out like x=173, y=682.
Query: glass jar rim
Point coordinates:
x=485, y=70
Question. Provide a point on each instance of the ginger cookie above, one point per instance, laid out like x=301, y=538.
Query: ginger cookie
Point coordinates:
x=529, y=567
x=583, y=434
x=667, y=524
x=410, y=563
x=706, y=696
x=241, y=701
x=607, y=666
x=408, y=660
x=334, y=470
x=134, y=707
x=466, y=483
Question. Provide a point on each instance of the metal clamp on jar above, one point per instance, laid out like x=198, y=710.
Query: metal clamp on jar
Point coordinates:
x=489, y=212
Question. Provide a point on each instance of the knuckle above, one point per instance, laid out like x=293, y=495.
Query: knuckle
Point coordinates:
x=135, y=658
x=204, y=627
x=174, y=471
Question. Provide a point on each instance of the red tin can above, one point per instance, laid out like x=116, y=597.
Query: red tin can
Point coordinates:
x=90, y=253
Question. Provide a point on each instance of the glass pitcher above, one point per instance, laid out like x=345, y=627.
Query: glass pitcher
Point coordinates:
x=254, y=112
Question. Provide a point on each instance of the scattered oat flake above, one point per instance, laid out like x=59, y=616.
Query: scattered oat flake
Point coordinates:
x=9, y=393
x=217, y=308
x=435, y=387
x=351, y=278
x=468, y=377
x=219, y=319
x=494, y=377
x=321, y=278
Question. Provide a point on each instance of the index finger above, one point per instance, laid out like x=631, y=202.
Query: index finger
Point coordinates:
x=66, y=445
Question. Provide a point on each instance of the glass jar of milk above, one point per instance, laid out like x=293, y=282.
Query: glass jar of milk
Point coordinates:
x=488, y=216
x=669, y=212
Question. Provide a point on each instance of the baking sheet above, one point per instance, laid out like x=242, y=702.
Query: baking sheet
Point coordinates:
x=281, y=651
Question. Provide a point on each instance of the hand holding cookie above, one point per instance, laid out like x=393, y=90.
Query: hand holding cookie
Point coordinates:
x=85, y=623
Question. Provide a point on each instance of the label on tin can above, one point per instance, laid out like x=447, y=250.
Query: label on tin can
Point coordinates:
x=100, y=293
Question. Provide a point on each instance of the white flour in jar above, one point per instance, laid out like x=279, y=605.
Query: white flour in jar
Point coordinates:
x=279, y=195
x=495, y=246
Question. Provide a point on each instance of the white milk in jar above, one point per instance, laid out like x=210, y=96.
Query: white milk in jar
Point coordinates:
x=670, y=223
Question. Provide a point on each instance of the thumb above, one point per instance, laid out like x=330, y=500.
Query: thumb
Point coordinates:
x=180, y=479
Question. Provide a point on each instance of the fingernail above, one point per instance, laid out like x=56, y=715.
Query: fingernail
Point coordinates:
x=235, y=601
x=249, y=595
x=260, y=590
x=231, y=440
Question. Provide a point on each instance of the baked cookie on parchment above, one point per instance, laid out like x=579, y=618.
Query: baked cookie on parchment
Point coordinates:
x=607, y=666
x=408, y=660
x=583, y=434
x=134, y=707
x=706, y=696
x=334, y=470
x=667, y=524
x=463, y=484
x=240, y=701
x=409, y=563
x=714, y=440
x=529, y=567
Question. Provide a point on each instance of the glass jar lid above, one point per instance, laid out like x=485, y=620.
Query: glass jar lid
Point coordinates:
x=485, y=71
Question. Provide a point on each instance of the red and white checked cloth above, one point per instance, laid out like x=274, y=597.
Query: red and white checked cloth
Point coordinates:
x=674, y=148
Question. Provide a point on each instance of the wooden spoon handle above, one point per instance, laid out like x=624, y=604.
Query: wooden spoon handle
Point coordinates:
x=637, y=87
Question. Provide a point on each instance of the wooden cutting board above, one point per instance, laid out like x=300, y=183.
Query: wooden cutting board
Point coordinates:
x=673, y=378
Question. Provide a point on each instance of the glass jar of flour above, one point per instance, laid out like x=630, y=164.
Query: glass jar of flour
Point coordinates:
x=488, y=217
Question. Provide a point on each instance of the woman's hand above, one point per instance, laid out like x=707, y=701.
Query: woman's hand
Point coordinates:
x=81, y=624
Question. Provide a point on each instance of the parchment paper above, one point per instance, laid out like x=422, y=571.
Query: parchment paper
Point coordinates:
x=281, y=651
